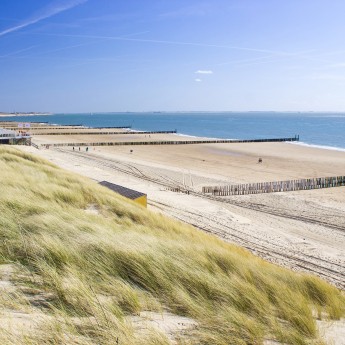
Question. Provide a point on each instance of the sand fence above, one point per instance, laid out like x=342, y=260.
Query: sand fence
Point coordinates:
x=277, y=186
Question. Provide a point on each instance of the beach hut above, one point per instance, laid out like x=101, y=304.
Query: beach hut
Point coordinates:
x=134, y=195
x=10, y=137
x=7, y=136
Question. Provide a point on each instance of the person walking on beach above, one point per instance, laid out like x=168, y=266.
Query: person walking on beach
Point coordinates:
x=87, y=149
x=73, y=148
x=79, y=148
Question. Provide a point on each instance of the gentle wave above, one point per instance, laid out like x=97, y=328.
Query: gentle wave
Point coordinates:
x=324, y=130
x=300, y=143
x=324, y=147
x=199, y=137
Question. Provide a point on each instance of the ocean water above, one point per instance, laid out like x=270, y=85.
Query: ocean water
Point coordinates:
x=317, y=129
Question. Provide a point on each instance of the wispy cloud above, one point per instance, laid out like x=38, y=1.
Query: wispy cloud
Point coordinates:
x=46, y=12
x=17, y=52
x=198, y=80
x=111, y=17
x=201, y=9
x=250, y=60
x=203, y=72
x=86, y=44
x=193, y=44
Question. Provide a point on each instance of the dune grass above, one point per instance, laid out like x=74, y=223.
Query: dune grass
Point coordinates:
x=96, y=270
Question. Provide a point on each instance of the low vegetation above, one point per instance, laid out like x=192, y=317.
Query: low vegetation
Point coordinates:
x=82, y=275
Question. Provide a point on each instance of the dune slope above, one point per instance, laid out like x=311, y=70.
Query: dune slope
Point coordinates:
x=78, y=262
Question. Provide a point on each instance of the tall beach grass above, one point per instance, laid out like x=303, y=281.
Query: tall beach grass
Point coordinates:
x=94, y=271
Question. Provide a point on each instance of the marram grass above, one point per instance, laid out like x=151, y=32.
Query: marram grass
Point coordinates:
x=94, y=271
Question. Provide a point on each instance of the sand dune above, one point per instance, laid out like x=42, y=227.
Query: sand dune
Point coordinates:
x=303, y=230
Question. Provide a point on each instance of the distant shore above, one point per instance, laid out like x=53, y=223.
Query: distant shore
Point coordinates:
x=215, y=125
x=23, y=114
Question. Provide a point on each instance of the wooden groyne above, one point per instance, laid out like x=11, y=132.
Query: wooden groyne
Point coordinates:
x=37, y=124
x=104, y=133
x=52, y=127
x=11, y=122
x=44, y=127
x=174, y=142
x=277, y=186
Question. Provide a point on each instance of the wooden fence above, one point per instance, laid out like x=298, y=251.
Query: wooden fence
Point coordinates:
x=277, y=186
x=34, y=145
x=173, y=142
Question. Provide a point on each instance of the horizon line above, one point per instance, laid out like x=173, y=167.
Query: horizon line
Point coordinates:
x=14, y=113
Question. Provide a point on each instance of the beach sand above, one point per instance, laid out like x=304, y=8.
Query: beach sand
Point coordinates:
x=301, y=230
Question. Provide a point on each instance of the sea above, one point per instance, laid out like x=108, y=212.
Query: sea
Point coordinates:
x=325, y=130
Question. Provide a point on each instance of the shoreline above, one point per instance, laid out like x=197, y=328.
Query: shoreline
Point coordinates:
x=300, y=143
x=322, y=147
x=229, y=127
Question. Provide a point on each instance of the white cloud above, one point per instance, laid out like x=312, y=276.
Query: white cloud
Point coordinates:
x=203, y=72
x=45, y=13
x=198, y=80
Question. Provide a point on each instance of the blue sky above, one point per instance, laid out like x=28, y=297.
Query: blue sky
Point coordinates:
x=180, y=55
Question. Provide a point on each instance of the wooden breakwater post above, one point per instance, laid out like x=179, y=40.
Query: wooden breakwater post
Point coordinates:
x=66, y=127
x=174, y=142
x=85, y=132
x=275, y=186
x=47, y=127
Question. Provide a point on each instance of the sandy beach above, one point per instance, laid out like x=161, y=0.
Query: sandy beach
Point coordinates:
x=302, y=230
